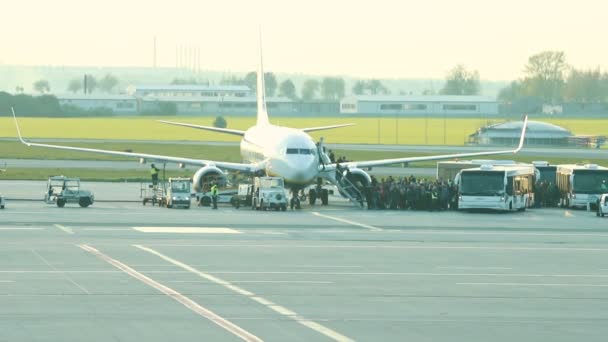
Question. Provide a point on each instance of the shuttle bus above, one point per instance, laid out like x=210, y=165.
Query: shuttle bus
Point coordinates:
x=580, y=184
x=497, y=187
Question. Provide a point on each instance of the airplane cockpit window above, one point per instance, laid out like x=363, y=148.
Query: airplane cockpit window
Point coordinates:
x=292, y=151
x=306, y=151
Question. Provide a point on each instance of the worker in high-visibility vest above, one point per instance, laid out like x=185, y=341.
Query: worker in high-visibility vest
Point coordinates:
x=214, y=193
x=154, y=174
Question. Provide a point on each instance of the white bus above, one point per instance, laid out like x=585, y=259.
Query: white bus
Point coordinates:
x=497, y=187
x=580, y=184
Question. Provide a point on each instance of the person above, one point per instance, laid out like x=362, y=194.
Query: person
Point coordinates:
x=604, y=186
x=154, y=174
x=214, y=193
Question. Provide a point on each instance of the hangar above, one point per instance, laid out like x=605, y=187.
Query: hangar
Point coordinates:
x=507, y=133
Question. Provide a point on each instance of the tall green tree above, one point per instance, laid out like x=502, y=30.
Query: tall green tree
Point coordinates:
x=585, y=86
x=287, y=89
x=270, y=82
x=42, y=86
x=332, y=88
x=376, y=87
x=75, y=85
x=108, y=83
x=461, y=81
x=310, y=89
x=90, y=84
x=359, y=87
x=544, y=75
x=250, y=80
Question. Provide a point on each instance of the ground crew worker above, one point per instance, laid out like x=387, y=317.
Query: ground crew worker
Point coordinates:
x=154, y=174
x=214, y=195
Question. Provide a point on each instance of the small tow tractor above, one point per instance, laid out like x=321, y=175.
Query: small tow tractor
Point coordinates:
x=61, y=190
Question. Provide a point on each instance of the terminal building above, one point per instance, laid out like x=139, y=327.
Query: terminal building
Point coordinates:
x=448, y=105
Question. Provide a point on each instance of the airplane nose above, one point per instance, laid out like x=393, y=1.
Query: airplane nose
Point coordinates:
x=303, y=170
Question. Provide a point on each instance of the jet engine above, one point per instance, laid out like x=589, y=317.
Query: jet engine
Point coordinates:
x=204, y=176
x=359, y=178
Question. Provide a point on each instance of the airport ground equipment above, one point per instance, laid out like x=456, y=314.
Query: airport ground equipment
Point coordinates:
x=269, y=193
x=155, y=194
x=61, y=190
x=602, y=205
x=223, y=197
x=496, y=187
x=178, y=193
x=580, y=185
x=243, y=195
x=2, y=202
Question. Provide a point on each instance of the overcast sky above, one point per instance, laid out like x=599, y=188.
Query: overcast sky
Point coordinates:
x=380, y=38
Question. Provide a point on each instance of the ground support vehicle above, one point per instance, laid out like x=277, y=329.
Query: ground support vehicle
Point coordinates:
x=243, y=196
x=154, y=194
x=2, y=202
x=178, y=193
x=602, y=205
x=61, y=190
x=269, y=193
x=581, y=185
x=205, y=199
x=504, y=187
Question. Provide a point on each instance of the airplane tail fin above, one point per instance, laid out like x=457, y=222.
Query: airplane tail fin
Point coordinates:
x=262, y=115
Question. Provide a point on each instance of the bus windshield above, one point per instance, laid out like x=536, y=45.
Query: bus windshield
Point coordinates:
x=482, y=183
x=590, y=181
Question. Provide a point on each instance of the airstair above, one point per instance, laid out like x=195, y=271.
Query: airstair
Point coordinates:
x=350, y=190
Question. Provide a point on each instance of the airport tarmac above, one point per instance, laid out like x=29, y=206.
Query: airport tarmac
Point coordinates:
x=122, y=271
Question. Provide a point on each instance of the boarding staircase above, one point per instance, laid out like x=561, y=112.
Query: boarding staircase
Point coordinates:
x=350, y=190
x=345, y=186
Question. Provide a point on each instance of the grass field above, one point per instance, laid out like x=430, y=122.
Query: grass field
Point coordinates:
x=410, y=131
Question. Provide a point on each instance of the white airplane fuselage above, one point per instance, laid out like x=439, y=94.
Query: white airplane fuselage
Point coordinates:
x=286, y=152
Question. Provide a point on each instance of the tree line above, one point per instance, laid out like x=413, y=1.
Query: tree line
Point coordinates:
x=549, y=79
x=86, y=84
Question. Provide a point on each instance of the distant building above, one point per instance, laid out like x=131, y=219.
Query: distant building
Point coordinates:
x=419, y=105
x=203, y=99
x=118, y=104
x=174, y=91
x=508, y=133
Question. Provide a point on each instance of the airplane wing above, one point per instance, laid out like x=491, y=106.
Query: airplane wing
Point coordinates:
x=380, y=162
x=148, y=157
x=207, y=128
x=321, y=128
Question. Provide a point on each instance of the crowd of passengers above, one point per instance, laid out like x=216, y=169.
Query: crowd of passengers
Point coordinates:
x=411, y=193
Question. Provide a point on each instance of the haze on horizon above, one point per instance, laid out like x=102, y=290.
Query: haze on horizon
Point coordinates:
x=379, y=39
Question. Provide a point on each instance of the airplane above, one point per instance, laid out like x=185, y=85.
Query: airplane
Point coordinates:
x=286, y=152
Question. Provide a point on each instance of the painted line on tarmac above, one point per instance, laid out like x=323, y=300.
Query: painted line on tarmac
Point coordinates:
x=7, y=281
x=497, y=248
x=187, y=302
x=257, y=281
x=372, y=228
x=19, y=228
x=535, y=284
x=187, y=230
x=65, y=229
x=472, y=268
x=274, y=307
